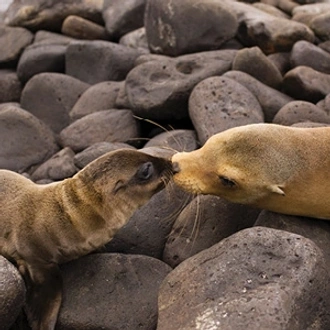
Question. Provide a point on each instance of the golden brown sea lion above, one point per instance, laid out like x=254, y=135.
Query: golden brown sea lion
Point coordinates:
x=44, y=225
x=278, y=168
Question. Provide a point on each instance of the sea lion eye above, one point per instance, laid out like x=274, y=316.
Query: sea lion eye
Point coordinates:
x=146, y=171
x=226, y=182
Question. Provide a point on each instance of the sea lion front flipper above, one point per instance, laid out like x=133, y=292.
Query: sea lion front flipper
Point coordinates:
x=44, y=296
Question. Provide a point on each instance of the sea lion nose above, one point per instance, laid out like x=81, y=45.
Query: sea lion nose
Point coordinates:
x=175, y=167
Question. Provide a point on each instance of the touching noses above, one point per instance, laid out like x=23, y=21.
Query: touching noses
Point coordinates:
x=175, y=167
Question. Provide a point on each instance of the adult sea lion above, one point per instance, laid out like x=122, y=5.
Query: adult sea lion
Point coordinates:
x=44, y=225
x=278, y=168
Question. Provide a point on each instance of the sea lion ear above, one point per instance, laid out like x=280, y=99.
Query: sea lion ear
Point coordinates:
x=277, y=189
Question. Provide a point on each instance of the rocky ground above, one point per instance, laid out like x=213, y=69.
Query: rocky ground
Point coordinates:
x=81, y=77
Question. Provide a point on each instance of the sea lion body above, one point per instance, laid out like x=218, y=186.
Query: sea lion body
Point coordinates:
x=278, y=168
x=44, y=225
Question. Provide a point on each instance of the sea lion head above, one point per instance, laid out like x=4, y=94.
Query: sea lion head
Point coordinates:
x=128, y=175
x=233, y=164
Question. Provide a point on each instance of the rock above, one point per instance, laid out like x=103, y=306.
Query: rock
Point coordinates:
x=159, y=89
x=98, y=97
x=159, y=152
x=147, y=230
x=10, y=86
x=96, y=150
x=316, y=230
x=81, y=28
x=96, y=61
x=107, y=125
x=122, y=101
x=135, y=39
x=281, y=61
x=272, y=10
x=254, y=62
x=205, y=221
x=311, y=8
x=111, y=291
x=309, y=124
x=25, y=140
x=156, y=57
x=12, y=43
x=285, y=5
x=50, y=97
x=304, y=83
x=48, y=37
x=258, y=278
x=271, y=34
x=305, y=53
x=220, y=103
x=123, y=16
x=41, y=57
x=58, y=167
x=176, y=140
x=325, y=104
x=12, y=292
x=300, y=111
x=325, y=45
x=49, y=14
x=176, y=28
x=321, y=26
x=271, y=100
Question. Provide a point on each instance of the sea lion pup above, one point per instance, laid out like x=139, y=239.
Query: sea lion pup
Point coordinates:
x=278, y=168
x=44, y=225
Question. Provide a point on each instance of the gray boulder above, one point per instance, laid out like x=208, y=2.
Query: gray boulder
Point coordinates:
x=81, y=28
x=159, y=88
x=49, y=14
x=41, y=57
x=301, y=111
x=205, y=221
x=13, y=40
x=180, y=27
x=111, y=291
x=106, y=125
x=51, y=96
x=58, y=167
x=220, y=103
x=10, y=86
x=123, y=16
x=258, y=278
x=270, y=99
x=307, y=54
x=25, y=140
x=98, y=97
x=96, y=61
x=305, y=83
x=147, y=230
x=254, y=62
x=12, y=292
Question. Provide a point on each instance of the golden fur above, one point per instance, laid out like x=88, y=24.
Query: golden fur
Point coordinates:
x=278, y=168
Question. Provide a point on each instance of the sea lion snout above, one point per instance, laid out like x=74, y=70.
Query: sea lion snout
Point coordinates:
x=176, y=167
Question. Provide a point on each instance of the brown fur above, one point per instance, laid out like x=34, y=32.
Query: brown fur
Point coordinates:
x=278, y=168
x=44, y=225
